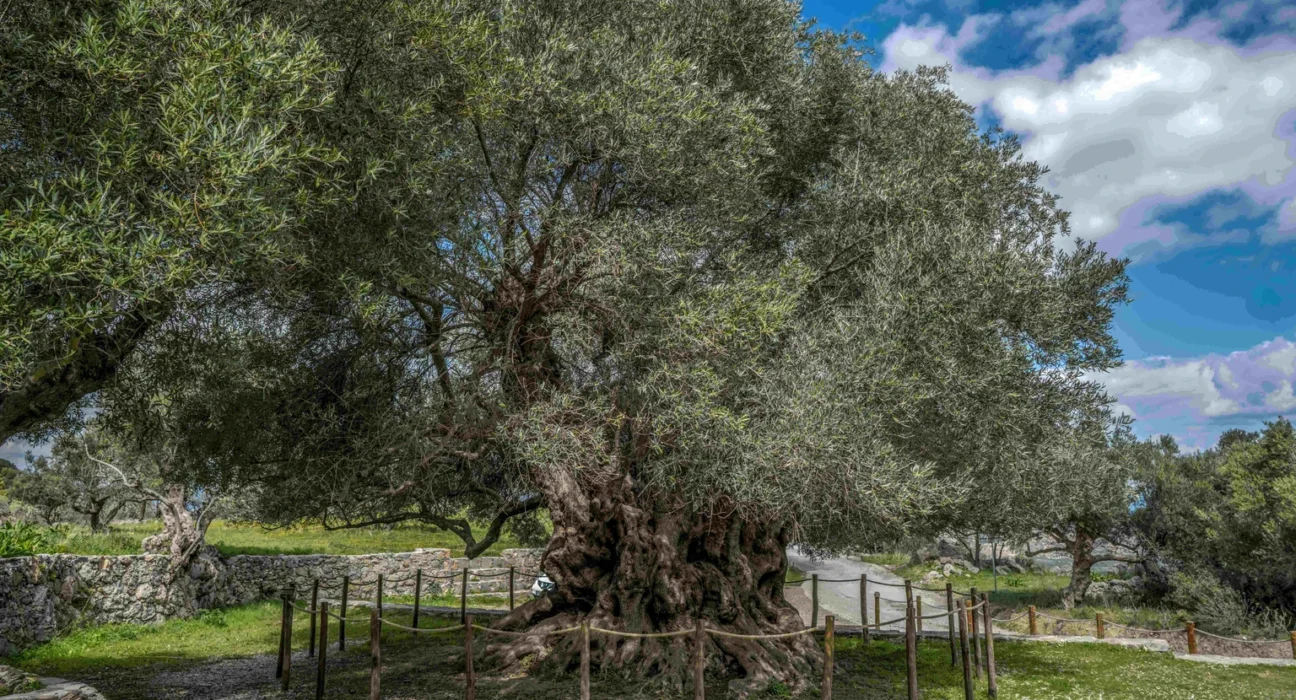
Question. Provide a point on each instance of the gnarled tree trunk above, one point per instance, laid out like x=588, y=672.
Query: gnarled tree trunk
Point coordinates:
x=183, y=533
x=1082, y=561
x=622, y=560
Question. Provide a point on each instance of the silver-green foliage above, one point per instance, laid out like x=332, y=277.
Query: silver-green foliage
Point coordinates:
x=701, y=247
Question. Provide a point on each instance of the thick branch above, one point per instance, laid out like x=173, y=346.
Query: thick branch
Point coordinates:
x=92, y=365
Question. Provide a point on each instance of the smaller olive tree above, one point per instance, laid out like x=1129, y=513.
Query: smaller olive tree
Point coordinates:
x=40, y=488
x=146, y=464
x=1081, y=500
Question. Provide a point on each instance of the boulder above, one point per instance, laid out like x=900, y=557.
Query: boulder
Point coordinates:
x=940, y=550
x=13, y=681
x=1114, y=590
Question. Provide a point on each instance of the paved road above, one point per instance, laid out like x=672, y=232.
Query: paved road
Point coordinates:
x=842, y=599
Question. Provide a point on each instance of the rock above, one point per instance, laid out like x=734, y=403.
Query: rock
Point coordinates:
x=931, y=577
x=1114, y=590
x=13, y=681
x=938, y=551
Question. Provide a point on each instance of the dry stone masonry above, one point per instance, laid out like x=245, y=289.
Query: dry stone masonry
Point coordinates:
x=44, y=594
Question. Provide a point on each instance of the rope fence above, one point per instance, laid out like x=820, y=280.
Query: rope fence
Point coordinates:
x=972, y=648
x=320, y=615
x=1185, y=638
x=1097, y=622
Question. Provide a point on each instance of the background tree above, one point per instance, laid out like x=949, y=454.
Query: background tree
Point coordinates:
x=690, y=276
x=1082, y=499
x=83, y=485
x=1223, y=519
x=39, y=486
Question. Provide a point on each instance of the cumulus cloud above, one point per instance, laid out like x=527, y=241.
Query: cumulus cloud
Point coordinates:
x=1254, y=383
x=1174, y=114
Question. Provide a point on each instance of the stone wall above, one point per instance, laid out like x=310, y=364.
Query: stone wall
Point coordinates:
x=43, y=594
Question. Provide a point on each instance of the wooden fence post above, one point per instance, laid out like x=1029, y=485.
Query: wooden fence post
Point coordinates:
x=918, y=614
x=463, y=597
x=1293, y=640
x=1098, y=624
x=346, y=590
x=829, y=644
x=966, y=654
x=989, y=642
x=379, y=596
x=969, y=616
x=314, y=612
x=470, y=679
x=288, y=638
x=909, y=593
x=699, y=662
x=418, y=595
x=1033, y=628
x=323, y=650
x=949, y=606
x=375, y=655
x=510, y=588
x=974, y=628
x=585, y=662
x=877, y=610
x=864, y=625
x=283, y=626
x=911, y=650
x=1192, y=638
x=814, y=600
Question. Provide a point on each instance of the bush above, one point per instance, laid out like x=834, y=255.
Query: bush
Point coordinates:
x=19, y=539
x=1222, y=610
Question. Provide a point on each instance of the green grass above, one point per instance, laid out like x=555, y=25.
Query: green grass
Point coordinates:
x=450, y=600
x=1043, y=590
x=240, y=631
x=124, y=660
x=241, y=538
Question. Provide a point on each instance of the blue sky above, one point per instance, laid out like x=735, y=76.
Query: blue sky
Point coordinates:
x=1170, y=132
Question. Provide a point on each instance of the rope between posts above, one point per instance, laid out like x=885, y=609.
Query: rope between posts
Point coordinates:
x=348, y=619
x=892, y=622
x=735, y=635
x=1166, y=631
x=1011, y=619
x=642, y=635
x=1245, y=641
x=1144, y=629
x=507, y=633
x=421, y=630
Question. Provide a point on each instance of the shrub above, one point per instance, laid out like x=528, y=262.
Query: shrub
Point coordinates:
x=19, y=539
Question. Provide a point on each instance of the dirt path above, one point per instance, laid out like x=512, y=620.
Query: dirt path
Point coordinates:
x=842, y=599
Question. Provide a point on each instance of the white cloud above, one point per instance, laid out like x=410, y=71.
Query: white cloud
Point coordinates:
x=1253, y=382
x=1172, y=116
x=1282, y=399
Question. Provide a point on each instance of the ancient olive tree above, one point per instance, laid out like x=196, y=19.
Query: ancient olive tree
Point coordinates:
x=690, y=276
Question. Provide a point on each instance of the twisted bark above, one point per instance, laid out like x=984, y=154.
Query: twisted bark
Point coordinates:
x=622, y=560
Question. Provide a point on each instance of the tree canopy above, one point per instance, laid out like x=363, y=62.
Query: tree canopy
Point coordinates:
x=691, y=276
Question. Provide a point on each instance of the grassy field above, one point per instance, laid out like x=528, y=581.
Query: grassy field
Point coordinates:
x=240, y=538
x=1044, y=590
x=156, y=662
